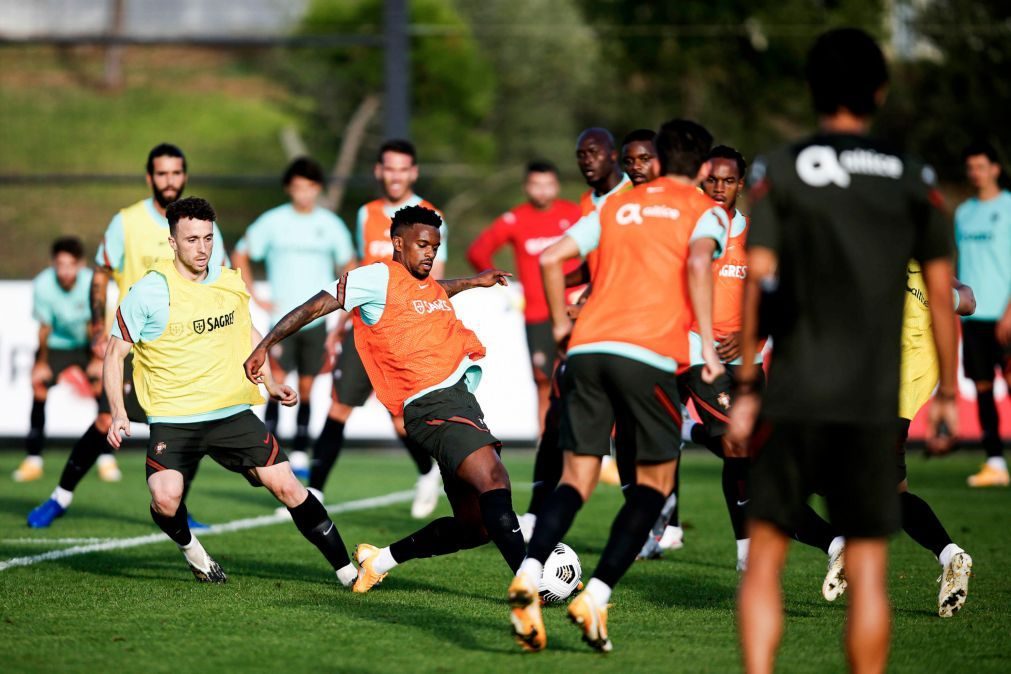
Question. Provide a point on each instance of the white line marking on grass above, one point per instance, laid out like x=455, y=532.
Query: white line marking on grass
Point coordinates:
x=228, y=527
x=55, y=541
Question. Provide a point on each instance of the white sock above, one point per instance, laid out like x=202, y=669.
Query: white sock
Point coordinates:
x=950, y=550
x=532, y=569
x=383, y=561
x=62, y=496
x=106, y=459
x=33, y=460
x=836, y=545
x=600, y=591
x=997, y=462
x=195, y=554
x=742, y=549
x=347, y=574
x=686, y=429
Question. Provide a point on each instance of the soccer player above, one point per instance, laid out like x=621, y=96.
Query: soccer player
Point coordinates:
x=983, y=236
x=187, y=320
x=396, y=171
x=305, y=247
x=655, y=245
x=136, y=238
x=530, y=228
x=835, y=219
x=638, y=156
x=60, y=299
x=422, y=361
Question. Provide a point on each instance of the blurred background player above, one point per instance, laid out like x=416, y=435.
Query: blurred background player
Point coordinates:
x=835, y=219
x=396, y=172
x=304, y=247
x=136, y=238
x=983, y=236
x=60, y=298
x=530, y=228
x=655, y=245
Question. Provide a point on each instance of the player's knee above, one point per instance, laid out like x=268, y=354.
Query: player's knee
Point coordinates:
x=984, y=386
x=39, y=392
x=339, y=412
x=304, y=387
x=102, y=422
x=166, y=500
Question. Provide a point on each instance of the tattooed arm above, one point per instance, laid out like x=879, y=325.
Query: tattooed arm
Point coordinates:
x=96, y=330
x=485, y=279
x=321, y=304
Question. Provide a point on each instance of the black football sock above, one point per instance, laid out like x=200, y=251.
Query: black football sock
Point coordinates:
x=922, y=525
x=700, y=435
x=675, y=516
x=735, y=492
x=176, y=526
x=270, y=416
x=301, y=441
x=37, y=432
x=990, y=423
x=325, y=452
x=554, y=520
x=502, y=525
x=547, y=464
x=814, y=531
x=629, y=530
x=82, y=457
x=312, y=520
x=443, y=536
x=422, y=459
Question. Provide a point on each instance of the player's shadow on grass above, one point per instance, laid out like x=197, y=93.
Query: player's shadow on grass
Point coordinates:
x=23, y=505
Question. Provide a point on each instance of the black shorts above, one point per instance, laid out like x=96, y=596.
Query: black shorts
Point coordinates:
x=852, y=466
x=64, y=359
x=599, y=388
x=712, y=401
x=303, y=351
x=351, y=385
x=981, y=352
x=239, y=442
x=542, y=347
x=133, y=409
x=449, y=425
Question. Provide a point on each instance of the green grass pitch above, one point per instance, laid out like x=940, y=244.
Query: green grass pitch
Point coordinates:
x=139, y=609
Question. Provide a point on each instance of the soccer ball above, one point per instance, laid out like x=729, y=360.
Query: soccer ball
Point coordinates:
x=561, y=574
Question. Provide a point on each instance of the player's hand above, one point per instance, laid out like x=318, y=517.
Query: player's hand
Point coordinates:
x=491, y=277
x=1004, y=329
x=331, y=347
x=942, y=424
x=743, y=414
x=94, y=369
x=712, y=367
x=283, y=394
x=120, y=427
x=41, y=374
x=729, y=347
x=573, y=310
x=254, y=364
x=562, y=331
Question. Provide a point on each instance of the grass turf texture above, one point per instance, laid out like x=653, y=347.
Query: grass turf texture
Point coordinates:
x=140, y=609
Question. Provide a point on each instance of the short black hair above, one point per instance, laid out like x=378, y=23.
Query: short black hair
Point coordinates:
x=68, y=244
x=727, y=152
x=303, y=167
x=164, y=150
x=981, y=147
x=639, y=136
x=193, y=208
x=541, y=166
x=597, y=131
x=400, y=146
x=682, y=147
x=414, y=215
x=845, y=69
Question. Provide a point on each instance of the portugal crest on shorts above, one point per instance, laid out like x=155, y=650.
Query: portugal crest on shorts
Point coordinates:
x=724, y=400
x=199, y=326
x=159, y=449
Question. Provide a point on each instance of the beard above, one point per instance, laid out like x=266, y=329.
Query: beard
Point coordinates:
x=164, y=200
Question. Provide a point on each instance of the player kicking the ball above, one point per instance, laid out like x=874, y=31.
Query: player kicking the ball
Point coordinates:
x=421, y=361
x=187, y=322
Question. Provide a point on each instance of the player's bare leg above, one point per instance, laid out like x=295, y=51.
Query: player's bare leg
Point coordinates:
x=868, y=621
x=760, y=599
x=169, y=512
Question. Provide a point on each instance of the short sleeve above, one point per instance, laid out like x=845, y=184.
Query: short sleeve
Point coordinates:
x=143, y=313
x=257, y=238
x=111, y=250
x=42, y=308
x=219, y=256
x=442, y=254
x=362, y=286
x=340, y=241
x=765, y=216
x=586, y=233
x=712, y=224
x=360, y=231
x=935, y=235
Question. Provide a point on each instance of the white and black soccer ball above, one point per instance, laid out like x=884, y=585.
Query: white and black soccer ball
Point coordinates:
x=561, y=576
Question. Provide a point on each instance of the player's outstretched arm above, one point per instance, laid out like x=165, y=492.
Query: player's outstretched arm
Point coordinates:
x=112, y=375
x=553, y=260
x=320, y=304
x=485, y=279
x=700, y=290
x=943, y=419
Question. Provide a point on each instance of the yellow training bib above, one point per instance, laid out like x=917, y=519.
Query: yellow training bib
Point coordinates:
x=145, y=242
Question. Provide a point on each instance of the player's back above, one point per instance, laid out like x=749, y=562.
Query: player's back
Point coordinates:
x=844, y=214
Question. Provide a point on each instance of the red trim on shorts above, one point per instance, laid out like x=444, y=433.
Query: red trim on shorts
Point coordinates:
x=273, y=453
x=707, y=407
x=151, y=463
x=122, y=326
x=668, y=405
x=342, y=285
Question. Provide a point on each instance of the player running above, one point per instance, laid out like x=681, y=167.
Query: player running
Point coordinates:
x=396, y=171
x=422, y=361
x=530, y=228
x=835, y=220
x=305, y=247
x=136, y=238
x=187, y=321
x=60, y=305
x=655, y=245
